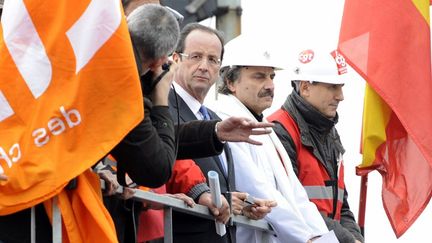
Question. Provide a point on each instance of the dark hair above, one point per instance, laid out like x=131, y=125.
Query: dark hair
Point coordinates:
x=196, y=26
x=154, y=31
x=296, y=84
x=228, y=75
x=125, y=3
x=1, y=7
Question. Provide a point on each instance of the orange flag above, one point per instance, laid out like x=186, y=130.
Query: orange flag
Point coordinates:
x=388, y=43
x=69, y=92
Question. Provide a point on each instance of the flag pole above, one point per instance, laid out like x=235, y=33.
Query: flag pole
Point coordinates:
x=362, y=203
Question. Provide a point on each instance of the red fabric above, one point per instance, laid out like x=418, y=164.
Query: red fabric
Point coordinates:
x=186, y=174
x=311, y=170
x=388, y=43
x=151, y=222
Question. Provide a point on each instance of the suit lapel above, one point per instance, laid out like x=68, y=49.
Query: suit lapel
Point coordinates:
x=186, y=115
x=185, y=112
x=230, y=165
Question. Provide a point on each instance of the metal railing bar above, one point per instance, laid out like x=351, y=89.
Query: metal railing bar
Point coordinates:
x=197, y=210
x=168, y=229
x=158, y=200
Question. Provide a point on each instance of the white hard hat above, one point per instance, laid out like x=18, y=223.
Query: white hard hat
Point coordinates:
x=320, y=66
x=248, y=51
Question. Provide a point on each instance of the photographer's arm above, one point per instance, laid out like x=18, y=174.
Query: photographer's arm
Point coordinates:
x=147, y=153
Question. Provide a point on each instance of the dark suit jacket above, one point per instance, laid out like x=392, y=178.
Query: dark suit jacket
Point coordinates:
x=187, y=228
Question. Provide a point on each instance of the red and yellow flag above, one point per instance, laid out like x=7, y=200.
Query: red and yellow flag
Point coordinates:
x=69, y=92
x=388, y=43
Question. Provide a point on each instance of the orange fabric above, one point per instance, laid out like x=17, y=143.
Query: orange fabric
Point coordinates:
x=186, y=174
x=101, y=102
x=66, y=100
x=388, y=43
x=84, y=216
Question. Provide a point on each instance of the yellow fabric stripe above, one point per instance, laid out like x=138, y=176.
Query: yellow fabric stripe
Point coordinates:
x=376, y=115
x=423, y=7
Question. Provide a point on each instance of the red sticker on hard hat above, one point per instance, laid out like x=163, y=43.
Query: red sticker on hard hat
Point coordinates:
x=340, y=62
x=306, y=56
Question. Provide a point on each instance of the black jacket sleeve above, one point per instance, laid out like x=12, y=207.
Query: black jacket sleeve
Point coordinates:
x=147, y=153
x=198, y=139
x=348, y=220
x=347, y=230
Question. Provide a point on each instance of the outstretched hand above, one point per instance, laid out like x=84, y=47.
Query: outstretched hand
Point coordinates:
x=239, y=129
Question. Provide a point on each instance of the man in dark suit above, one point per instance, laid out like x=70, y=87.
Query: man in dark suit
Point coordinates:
x=183, y=224
x=198, y=56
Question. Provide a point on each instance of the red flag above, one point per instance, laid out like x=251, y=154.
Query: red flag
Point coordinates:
x=388, y=43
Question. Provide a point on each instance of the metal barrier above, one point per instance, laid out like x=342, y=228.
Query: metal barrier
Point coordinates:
x=170, y=204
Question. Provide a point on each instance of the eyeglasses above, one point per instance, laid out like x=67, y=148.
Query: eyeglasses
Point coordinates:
x=198, y=57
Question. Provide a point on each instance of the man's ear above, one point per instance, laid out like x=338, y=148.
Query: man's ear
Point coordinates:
x=158, y=63
x=305, y=88
x=230, y=85
x=176, y=57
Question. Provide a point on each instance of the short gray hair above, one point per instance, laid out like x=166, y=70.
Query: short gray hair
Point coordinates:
x=154, y=31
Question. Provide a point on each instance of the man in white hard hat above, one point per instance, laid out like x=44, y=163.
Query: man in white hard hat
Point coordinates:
x=198, y=54
x=306, y=126
x=263, y=171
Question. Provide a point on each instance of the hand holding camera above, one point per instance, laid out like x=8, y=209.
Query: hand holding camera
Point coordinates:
x=161, y=83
